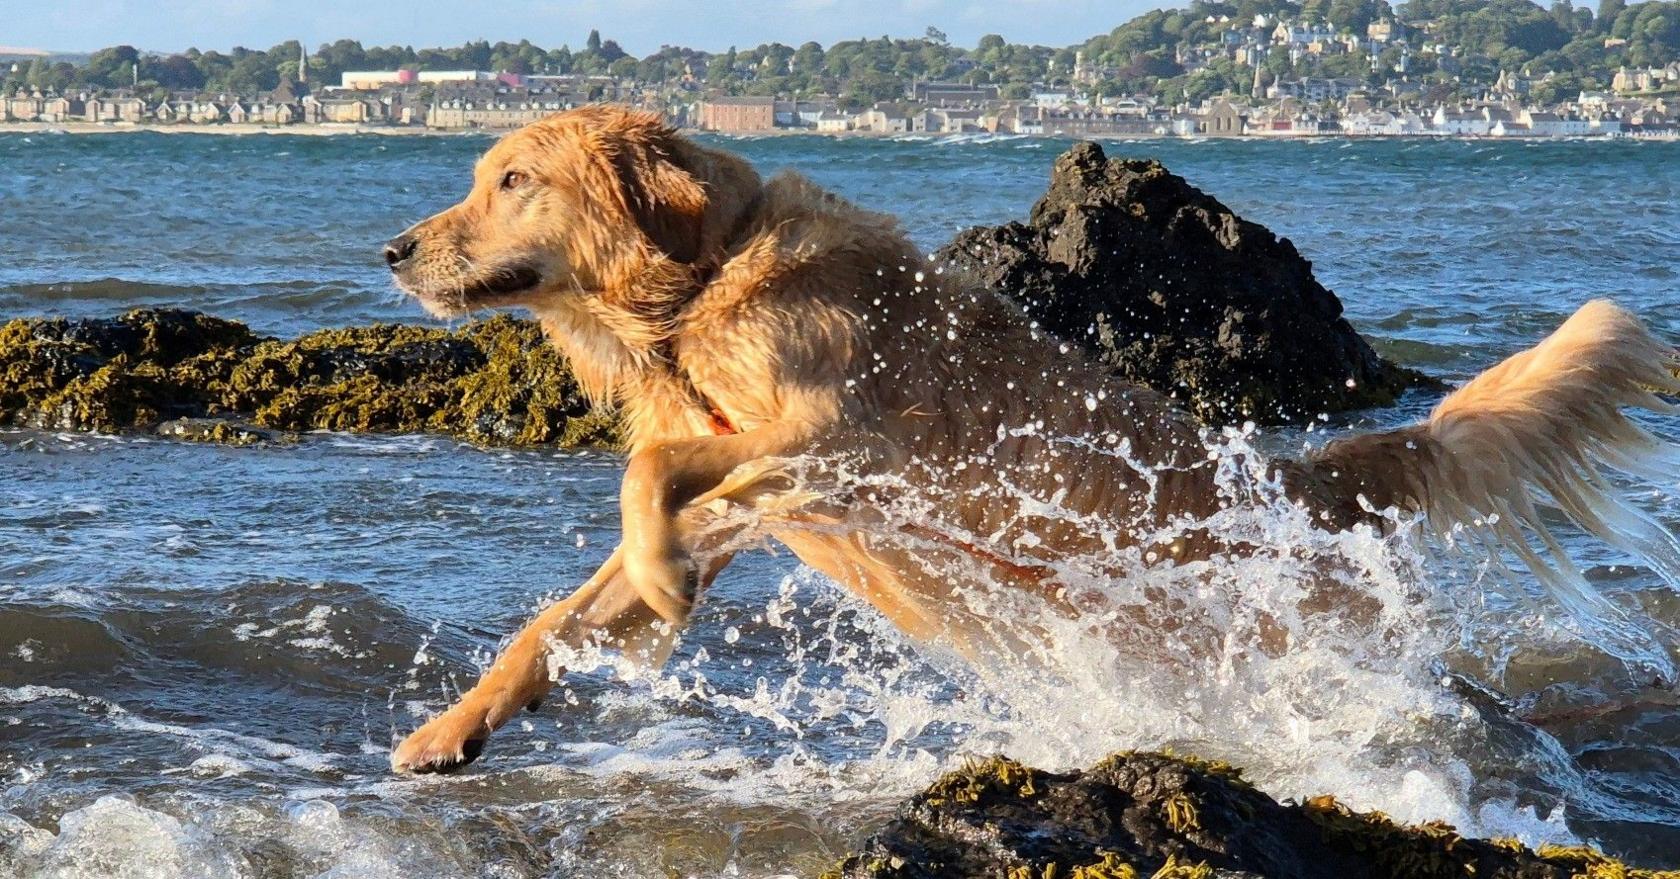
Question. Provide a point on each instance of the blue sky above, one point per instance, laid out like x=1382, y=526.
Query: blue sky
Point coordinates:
x=641, y=26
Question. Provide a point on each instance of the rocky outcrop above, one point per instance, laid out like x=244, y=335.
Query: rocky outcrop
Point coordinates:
x=1158, y=280
x=1171, y=289
x=1154, y=815
x=193, y=376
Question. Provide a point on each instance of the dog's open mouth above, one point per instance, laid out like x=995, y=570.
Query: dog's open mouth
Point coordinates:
x=498, y=287
x=501, y=283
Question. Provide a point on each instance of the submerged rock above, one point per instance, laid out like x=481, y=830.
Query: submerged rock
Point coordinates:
x=1171, y=289
x=221, y=431
x=496, y=382
x=1154, y=815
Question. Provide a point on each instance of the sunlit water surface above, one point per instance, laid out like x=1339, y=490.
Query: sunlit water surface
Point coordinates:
x=206, y=652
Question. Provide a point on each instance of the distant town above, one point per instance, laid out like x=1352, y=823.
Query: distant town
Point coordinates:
x=1259, y=69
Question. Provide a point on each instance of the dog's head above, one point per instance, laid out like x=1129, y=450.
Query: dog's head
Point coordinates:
x=598, y=201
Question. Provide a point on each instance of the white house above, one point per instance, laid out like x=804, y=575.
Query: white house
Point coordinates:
x=833, y=120
x=1460, y=123
x=1383, y=123
x=1548, y=124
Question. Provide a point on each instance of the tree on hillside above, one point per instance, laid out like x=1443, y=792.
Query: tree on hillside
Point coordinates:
x=36, y=73
x=559, y=60
x=1608, y=11
x=111, y=68
x=1563, y=12
x=250, y=72
x=808, y=59
x=176, y=73
x=1652, y=30
x=1354, y=15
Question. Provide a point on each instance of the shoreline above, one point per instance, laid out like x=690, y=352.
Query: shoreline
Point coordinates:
x=325, y=129
x=332, y=129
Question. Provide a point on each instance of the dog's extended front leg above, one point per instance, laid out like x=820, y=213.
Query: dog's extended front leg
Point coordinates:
x=606, y=610
x=659, y=482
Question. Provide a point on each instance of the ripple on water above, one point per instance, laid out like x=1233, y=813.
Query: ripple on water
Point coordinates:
x=206, y=653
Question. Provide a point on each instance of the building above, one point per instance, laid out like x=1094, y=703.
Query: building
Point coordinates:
x=120, y=107
x=61, y=108
x=1384, y=123
x=1314, y=89
x=833, y=121
x=800, y=114
x=24, y=106
x=1086, y=123
x=1645, y=79
x=204, y=110
x=1222, y=119
x=453, y=76
x=373, y=80
x=951, y=94
x=736, y=114
x=886, y=119
x=342, y=109
x=1460, y=123
x=495, y=108
x=1549, y=124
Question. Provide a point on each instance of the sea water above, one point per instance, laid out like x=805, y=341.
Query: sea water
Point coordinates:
x=206, y=652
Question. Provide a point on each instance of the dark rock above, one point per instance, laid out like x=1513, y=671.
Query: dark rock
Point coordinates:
x=495, y=382
x=1157, y=279
x=1173, y=290
x=1155, y=815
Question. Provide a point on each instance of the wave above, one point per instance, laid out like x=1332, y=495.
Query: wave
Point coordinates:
x=127, y=293
x=120, y=639
x=281, y=306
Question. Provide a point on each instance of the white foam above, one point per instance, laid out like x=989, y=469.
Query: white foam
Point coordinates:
x=1353, y=705
x=116, y=837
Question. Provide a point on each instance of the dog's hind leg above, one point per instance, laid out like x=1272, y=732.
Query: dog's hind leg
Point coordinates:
x=605, y=610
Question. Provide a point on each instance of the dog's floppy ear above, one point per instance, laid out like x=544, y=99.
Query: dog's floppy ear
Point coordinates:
x=666, y=200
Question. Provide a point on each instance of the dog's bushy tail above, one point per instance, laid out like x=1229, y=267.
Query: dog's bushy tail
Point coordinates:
x=1534, y=432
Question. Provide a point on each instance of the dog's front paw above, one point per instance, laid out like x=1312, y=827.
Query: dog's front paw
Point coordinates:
x=445, y=743
x=667, y=579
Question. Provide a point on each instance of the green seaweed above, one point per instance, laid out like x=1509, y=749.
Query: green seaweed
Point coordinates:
x=980, y=778
x=1176, y=817
x=1587, y=863
x=495, y=382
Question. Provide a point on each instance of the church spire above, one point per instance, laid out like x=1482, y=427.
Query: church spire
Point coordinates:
x=303, y=64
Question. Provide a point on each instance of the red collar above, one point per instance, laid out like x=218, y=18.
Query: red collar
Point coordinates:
x=721, y=425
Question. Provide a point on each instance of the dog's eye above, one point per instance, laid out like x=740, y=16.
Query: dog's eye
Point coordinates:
x=513, y=179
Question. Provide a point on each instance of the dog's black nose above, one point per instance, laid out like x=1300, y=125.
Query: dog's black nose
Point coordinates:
x=398, y=250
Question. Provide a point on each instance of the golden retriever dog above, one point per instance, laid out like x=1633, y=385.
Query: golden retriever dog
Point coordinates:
x=742, y=326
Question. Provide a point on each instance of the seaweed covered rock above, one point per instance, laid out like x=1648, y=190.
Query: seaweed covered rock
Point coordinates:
x=1171, y=289
x=495, y=382
x=1140, y=815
